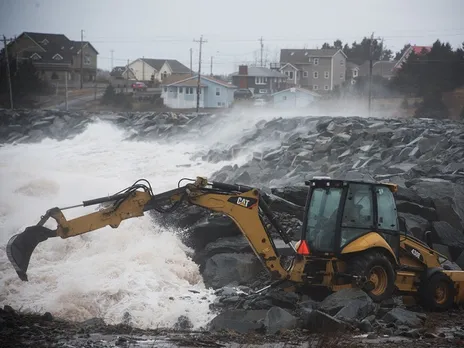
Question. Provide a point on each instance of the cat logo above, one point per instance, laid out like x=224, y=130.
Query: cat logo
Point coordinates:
x=416, y=253
x=243, y=202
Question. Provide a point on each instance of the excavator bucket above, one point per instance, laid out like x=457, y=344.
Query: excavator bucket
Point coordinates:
x=20, y=247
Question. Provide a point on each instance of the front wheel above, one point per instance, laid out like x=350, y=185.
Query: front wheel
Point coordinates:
x=377, y=268
x=437, y=292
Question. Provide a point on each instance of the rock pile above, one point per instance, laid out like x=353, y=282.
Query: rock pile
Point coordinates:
x=406, y=148
x=26, y=126
x=348, y=310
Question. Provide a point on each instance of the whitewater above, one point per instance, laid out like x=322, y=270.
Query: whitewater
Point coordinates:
x=139, y=268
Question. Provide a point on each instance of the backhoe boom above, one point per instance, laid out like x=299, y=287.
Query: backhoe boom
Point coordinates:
x=242, y=204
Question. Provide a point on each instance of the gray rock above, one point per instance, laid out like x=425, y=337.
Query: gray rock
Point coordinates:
x=222, y=269
x=356, y=309
x=444, y=233
x=426, y=213
x=448, y=199
x=333, y=303
x=400, y=316
x=278, y=319
x=183, y=323
x=416, y=225
x=317, y=321
x=239, y=320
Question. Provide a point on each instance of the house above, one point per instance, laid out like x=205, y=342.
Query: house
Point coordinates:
x=182, y=94
x=122, y=73
x=352, y=72
x=316, y=69
x=294, y=98
x=54, y=54
x=146, y=69
x=418, y=50
x=259, y=80
x=383, y=68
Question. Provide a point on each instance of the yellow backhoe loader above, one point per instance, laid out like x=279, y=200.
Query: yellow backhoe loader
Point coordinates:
x=350, y=236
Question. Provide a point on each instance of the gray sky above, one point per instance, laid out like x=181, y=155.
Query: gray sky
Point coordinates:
x=166, y=29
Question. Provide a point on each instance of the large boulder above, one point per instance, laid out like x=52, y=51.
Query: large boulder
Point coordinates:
x=223, y=269
x=447, y=197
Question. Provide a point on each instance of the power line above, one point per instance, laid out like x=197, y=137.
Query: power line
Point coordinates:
x=290, y=39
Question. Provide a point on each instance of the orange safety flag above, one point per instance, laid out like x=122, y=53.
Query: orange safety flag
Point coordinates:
x=303, y=248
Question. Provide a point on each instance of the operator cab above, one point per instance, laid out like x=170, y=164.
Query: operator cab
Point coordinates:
x=339, y=211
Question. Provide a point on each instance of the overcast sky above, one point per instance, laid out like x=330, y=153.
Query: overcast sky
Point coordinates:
x=166, y=29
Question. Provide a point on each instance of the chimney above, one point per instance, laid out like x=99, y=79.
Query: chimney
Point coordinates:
x=243, y=70
x=243, y=80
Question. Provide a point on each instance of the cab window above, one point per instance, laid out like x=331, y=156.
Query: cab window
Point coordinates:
x=386, y=208
x=358, y=213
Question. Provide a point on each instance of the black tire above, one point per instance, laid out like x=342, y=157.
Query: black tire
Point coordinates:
x=376, y=267
x=437, y=292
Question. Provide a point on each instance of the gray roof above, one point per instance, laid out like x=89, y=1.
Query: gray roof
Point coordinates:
x=380, y=68
x=262, y=71
x=301, y=55
x=351, y=65
x=176, y=66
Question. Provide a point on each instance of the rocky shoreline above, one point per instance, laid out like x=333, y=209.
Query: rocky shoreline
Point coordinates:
x=424, y=157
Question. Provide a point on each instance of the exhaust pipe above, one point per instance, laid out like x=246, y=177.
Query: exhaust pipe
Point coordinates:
x=21, y=246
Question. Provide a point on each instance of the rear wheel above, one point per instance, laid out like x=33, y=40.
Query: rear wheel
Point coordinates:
x=378, y=270
x=437, y=292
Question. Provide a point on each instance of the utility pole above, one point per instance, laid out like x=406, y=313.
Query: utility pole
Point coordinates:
x=8, y=73
x=211, y=65
x=95, y=90
x=127, y=69
x=191, y=67
x=201, y=41
x=82, y=58
x=66, y=90
x=370, y=73
x=112, y=60
x=261, y=41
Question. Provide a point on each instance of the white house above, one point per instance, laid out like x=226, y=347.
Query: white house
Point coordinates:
x=294, y=98
x=145, y=68
x=182, y=94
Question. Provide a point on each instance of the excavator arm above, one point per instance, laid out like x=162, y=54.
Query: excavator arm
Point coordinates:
x=243, y=204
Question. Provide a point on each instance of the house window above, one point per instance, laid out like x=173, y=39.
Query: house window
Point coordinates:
x=342, y=75
x=165, y=89
x=189, y=90
x=290, y=75
x=219, y=103
x=326, y=87
x=260, y=80
x=316, y=61
x=315, y=74
x=218, y=91
x=342, y=62
x=86, y=59
x=181, y=90
x=315, y=87
x=326, y=74
x=305, y=74
x=263, y=91
x=355, y=73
